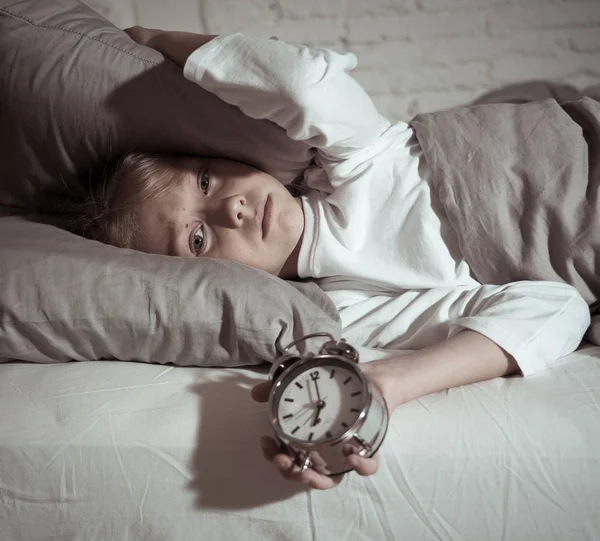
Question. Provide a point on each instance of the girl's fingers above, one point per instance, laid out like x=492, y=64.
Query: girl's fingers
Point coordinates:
x=291, y=471
x=142, y=35
x=283, y=462
x=318, y=481
x=363, y=465
x=269, y=448
x=260, y=392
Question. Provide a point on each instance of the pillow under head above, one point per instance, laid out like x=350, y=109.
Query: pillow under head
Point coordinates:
x=65, y=298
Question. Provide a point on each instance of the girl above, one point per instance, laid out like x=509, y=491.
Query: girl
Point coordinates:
x=369, y=228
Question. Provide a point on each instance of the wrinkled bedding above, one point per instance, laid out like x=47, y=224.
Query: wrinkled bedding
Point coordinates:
x=104, y=451
x=519, y=183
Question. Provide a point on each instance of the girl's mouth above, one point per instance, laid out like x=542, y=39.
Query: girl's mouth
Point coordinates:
x=267, y=216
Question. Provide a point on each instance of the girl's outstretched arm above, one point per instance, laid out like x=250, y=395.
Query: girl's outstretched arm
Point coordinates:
x=306, y=91
x=466, y=357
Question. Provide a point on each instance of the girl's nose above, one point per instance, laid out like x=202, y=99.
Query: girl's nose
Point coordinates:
x=235, y=211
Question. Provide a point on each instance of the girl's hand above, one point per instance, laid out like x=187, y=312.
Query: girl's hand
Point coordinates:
x=289, y=470
x=176, y=46
x=141, y=35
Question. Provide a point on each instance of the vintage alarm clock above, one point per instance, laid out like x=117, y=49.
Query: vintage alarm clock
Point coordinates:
x=322, y=407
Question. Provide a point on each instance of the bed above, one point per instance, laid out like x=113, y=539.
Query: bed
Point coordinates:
x=125, y=377
x=121, y=450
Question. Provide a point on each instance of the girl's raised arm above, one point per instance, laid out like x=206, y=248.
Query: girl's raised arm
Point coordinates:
x=308, y=92
x=177, y=46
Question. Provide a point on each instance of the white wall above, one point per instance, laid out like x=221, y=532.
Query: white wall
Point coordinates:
x=414, y=55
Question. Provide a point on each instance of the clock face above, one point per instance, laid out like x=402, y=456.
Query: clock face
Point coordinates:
x=320, y=401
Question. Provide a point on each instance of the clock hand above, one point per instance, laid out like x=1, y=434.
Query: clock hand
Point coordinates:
x=307, y=420
x=306, y=407
x=320, y=401
x=304, y=410
x=310, y=397
x=319, y=408
x=317, y=388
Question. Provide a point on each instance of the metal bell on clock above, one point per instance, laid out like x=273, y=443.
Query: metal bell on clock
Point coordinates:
x=342, y=348
x=281, y=364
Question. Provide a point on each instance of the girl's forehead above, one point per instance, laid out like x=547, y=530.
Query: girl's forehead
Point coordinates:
x=171, y=200
x=158, y=218
x=175, y=175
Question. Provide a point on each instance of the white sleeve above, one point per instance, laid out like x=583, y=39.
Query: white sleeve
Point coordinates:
x=307, y=92
x=537, y=323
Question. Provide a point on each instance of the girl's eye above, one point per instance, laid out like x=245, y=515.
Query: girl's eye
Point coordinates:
x=197, y=241
x=204, y=182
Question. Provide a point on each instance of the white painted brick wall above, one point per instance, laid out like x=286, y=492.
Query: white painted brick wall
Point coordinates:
x=414, y=55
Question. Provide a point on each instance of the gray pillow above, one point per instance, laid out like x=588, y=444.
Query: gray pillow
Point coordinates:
x=75, y=91
x=65, y=298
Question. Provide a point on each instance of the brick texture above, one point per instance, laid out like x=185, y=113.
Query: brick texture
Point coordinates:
x=414, y=55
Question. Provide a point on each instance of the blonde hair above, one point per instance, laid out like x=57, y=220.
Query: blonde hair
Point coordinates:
x=109, y=212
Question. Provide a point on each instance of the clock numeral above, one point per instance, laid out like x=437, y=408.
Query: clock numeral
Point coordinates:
x=296, y=429
x=328, y=434
x=314, y=375
x=356, y=393
x=288, y=399
x=332, y=373
x=355, y=410
x=299, y=385
x=344, y=424
x=288, y=416
x=347, y=379
x=310, y=436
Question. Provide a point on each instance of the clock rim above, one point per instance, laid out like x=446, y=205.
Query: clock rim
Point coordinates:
x=300, y=366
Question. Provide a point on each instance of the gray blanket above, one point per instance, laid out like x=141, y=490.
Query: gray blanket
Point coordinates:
x=519, y=183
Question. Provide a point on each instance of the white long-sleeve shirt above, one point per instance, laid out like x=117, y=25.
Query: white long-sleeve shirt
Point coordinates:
x=375, y=238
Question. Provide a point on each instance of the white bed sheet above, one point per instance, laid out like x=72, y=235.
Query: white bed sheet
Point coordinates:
x=126, y=451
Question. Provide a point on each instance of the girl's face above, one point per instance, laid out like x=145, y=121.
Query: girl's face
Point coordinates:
x=225, y=210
